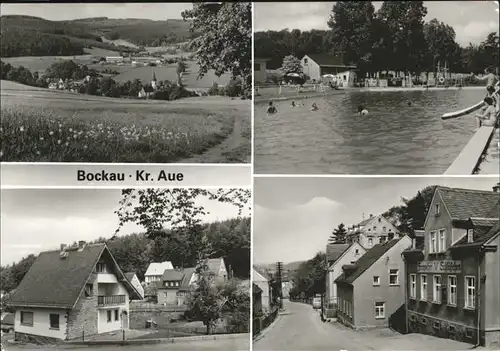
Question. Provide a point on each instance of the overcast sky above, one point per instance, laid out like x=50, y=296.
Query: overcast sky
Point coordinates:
x=59, y=12
x=294, y=217
x=472, y=20
x=39, y=220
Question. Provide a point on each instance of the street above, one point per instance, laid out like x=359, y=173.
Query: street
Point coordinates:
x=238, y=344
x=301, y=329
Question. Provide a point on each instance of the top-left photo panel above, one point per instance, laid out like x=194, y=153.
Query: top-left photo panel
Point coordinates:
x=126, y=82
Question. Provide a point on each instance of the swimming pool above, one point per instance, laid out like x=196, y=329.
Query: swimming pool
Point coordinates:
x=393, y=139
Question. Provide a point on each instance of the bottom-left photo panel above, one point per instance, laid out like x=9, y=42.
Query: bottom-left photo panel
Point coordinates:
x=141, y=268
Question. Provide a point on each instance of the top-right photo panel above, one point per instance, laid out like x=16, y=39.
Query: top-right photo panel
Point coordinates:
x=393, y=87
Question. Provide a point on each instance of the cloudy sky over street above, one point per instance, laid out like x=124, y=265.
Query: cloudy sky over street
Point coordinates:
x=472, y=20
x=59, y=12
x=38, y=220
x=294, y=217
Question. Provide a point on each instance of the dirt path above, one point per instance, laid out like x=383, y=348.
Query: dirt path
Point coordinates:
x=230, y=150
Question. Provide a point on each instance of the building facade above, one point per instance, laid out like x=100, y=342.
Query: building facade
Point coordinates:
x=134, y=280
x=371, y=290
x=315, y=66
x=453, y=288
x=346, y=254
x=72, y=292
x=260, y=70
x=261, y=280
x=372, y=231
x=155, y=270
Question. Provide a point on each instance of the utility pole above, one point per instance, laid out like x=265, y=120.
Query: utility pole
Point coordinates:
x=279, y=270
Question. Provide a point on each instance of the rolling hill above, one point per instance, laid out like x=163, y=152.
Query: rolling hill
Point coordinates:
x=34, y=36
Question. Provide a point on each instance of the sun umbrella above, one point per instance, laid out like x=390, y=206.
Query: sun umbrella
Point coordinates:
x=293, y=75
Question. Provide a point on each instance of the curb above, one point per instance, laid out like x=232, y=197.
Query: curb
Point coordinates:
x=269, y=327
x=157, y=341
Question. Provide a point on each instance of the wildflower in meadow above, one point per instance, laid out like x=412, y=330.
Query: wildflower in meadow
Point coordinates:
x=59, y=142
x=21, y=129
x=51, y=133
x=41, y=139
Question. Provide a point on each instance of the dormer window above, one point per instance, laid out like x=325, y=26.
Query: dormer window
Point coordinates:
x=470, y=235
x=384, y=229
x=380, y=220
x=437, y=210
x=374, y=228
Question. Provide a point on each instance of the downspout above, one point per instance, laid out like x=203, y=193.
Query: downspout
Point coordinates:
x=406, y=294
x=478, y=342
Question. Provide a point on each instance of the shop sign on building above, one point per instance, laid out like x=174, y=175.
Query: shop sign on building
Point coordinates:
x=442, y=266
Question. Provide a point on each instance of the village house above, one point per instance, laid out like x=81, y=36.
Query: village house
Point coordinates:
x=315, y=66
x=286, y=285
x=263, y=281
x=256, y=299
x=453, y=286
x=175, y=285
x=71, y=292
x=134, y=280
x=371, y=290
x=372, y=231
x=114, y=59
x=338, y=255
x=155, y=271
x=260, y=70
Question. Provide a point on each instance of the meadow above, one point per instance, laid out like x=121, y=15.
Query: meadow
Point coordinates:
x=39, y=125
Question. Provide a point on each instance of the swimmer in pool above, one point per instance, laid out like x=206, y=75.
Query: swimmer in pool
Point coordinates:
x=293, y=104
x=271, y=109
x=408, y=103
x=314, y=107
x=362, y=111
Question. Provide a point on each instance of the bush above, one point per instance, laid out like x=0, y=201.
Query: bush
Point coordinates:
x=234, y=88
x=213, y=90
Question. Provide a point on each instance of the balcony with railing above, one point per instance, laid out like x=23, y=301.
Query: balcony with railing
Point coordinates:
x=111, y=300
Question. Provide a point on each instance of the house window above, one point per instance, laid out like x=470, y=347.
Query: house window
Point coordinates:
x=345, y=306
x=452, y=290
x=442, y=240
x=88, y=290
x=376, y=280
x=380, y=220
x=379, y=310
x=413, y=286
x=393, y=276
x=437, y=210
x=54, y=321
x=436, y=293
x=470, y=292
x=470, y=235
x=370, y=241
x=423, y=287
x=374, y=228
x=357, y=251
x=117, y=315
x=345, y=77
x=340, y=304
x=27, y=318
x=305, y=61
x=101, y=268
x=109, y=316
x=432, y=244
x=384, y=229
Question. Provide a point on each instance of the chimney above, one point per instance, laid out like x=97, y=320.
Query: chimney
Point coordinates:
x=63, y=247
x=496, y=188
x=81, y=245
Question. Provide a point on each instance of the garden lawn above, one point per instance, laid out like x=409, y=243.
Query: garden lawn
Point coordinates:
x=40, y=125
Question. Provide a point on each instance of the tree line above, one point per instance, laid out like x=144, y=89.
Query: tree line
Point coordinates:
x=395, y=37
x=228, y=239
x=407, y=217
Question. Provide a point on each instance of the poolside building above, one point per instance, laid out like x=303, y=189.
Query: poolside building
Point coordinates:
x=315, y=66
x=260, y=69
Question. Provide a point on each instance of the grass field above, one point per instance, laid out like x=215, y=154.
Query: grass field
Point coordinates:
x=57, y=126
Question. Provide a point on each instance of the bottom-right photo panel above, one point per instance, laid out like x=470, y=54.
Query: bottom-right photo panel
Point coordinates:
x=386, y=263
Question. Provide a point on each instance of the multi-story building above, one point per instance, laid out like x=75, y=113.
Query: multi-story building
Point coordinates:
x=453, y=286
x=263, y=281
x=338, y=255
x=372, y=231
x=175, y=285
x=72, y=292
x=371, y=290
x=155, y=271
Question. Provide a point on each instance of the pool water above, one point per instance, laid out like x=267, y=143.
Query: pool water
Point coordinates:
x=393, y=138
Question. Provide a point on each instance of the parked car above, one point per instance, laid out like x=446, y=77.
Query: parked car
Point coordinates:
x=316, y=303
x=7, y=323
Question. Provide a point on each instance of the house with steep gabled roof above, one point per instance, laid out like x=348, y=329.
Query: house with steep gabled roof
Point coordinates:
x=263, y=281
x=175, y=286
x=218, y=268
x=316, y=66
x=155, y=271
x=134, y=280
x=74, y=291
x=337, y=256
x=371, y=290
x=371, y=231
x=453, y=288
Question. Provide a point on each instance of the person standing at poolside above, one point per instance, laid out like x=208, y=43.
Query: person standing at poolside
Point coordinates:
x=489, y=77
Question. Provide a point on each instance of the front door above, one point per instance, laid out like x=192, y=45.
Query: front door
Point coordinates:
x=125, y=320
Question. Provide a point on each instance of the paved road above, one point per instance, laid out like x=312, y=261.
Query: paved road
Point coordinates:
x=240, y=344
x=301, y=329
